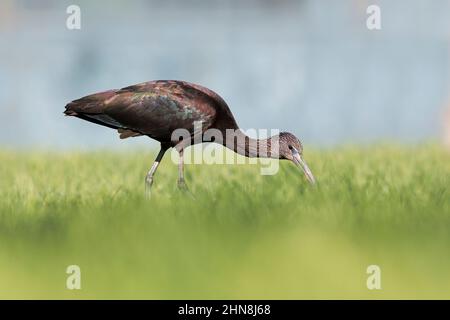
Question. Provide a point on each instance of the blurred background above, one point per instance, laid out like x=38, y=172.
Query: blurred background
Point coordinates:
x=307, y=66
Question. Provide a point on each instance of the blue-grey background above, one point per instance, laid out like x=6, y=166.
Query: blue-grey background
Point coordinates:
x=307, y=66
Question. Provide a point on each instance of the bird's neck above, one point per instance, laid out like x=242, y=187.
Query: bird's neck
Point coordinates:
x=244, y=145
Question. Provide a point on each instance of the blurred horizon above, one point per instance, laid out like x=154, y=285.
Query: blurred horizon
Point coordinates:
x=304, y=66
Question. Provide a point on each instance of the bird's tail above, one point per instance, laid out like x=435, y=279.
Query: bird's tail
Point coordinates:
x=91, y=104
x=92, y=108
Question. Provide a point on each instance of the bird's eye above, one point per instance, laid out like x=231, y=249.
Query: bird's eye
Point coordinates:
x=290, y=147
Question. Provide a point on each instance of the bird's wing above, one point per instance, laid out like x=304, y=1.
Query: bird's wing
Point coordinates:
x=207, y=99
x=153, y=108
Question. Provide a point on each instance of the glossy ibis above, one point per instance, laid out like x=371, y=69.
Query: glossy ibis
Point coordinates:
x=157, y=108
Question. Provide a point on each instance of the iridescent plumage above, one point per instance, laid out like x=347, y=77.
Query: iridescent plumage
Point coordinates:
x=157, y=108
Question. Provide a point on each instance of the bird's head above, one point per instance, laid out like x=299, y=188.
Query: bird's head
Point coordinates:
x=291, y=149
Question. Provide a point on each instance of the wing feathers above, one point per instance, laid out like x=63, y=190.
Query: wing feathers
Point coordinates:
x=126, y=133
x=104, y=118
x=153, y=108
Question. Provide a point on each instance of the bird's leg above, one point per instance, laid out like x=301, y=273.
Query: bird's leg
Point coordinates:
x=181, y=182
x=149, y=178
x=151, y=172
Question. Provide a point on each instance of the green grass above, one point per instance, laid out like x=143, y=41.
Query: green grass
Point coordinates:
x=244, y=236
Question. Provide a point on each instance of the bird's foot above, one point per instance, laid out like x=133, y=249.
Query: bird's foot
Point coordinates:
x=182, y=186
x=148, y=186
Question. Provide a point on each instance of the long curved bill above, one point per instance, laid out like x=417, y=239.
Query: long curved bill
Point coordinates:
x=298, y=160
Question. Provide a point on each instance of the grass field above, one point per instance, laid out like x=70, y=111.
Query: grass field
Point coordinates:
x=244, y=236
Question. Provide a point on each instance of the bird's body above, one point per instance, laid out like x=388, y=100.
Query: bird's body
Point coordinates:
x=155, y=109
x=158, y=108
